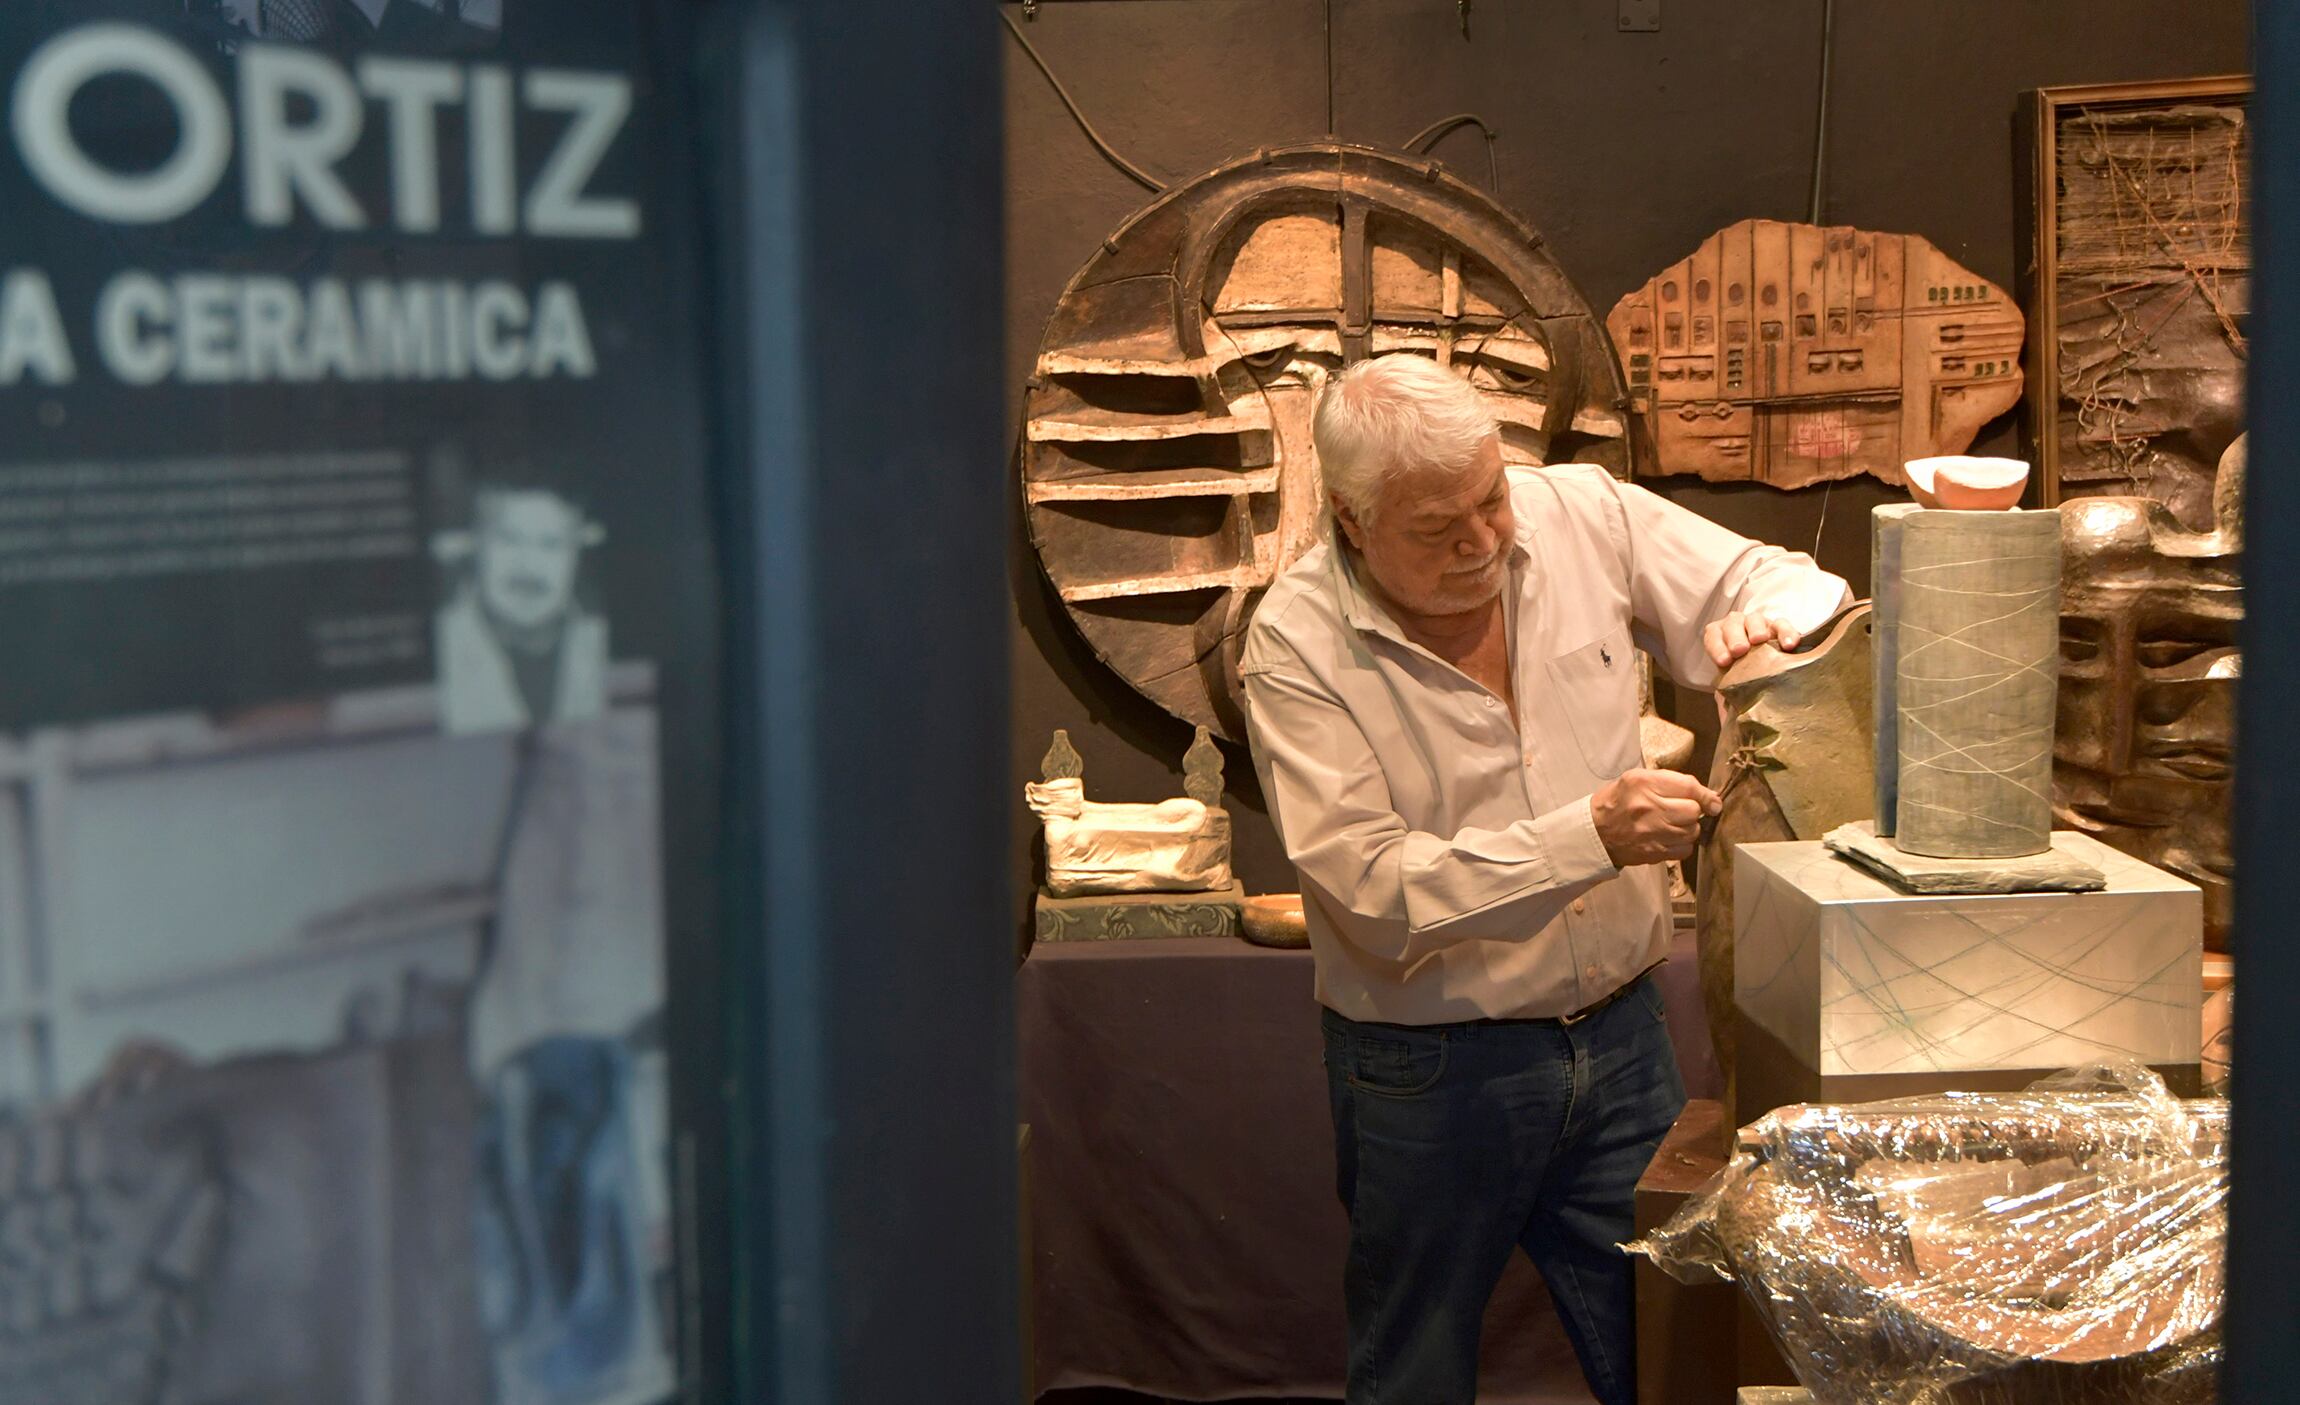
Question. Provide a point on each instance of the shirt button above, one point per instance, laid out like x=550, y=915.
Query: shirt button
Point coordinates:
x=1582, y=905
x=1589, y=971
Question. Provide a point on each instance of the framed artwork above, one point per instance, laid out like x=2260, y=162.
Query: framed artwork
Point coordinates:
x=2136, y=269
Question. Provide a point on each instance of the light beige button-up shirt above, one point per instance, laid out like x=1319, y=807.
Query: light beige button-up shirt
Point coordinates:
x=1450, y=865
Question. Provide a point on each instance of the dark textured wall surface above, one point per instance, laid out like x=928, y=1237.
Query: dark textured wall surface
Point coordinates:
x=1624, y=150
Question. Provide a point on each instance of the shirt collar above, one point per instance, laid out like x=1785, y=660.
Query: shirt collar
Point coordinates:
x=1358, y=607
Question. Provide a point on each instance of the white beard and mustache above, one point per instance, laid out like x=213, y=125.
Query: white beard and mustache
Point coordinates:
x=1470, y=588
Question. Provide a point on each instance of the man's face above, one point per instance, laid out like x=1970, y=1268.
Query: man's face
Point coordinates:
x=528, y=546
x=1439, y=542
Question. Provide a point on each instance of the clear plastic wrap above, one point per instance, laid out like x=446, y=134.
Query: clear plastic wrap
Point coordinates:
x=2058, y=1245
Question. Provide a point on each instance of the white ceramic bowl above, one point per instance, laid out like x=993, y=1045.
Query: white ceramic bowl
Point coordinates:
x=1967, y=483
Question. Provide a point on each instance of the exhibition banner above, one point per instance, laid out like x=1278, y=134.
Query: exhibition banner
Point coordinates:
x=358, y=701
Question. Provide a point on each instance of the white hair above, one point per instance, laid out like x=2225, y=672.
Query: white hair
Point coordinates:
x=1400, y=413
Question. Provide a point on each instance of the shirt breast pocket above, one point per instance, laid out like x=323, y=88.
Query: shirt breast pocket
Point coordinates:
x=1595, y=686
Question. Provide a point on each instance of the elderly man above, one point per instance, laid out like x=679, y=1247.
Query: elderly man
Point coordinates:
x=1443, y=705
x=515, y=646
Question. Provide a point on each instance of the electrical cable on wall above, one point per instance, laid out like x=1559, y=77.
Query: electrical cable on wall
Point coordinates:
x=1421, y=141
x=1821, y=115
x=1820, y=167
x=1330, y=131
x=1109, y=152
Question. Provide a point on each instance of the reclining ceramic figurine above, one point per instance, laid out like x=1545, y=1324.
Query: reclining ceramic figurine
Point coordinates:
x=1173, y=846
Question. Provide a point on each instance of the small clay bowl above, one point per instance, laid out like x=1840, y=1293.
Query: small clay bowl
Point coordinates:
x=1965, y=483
x=1275, y=919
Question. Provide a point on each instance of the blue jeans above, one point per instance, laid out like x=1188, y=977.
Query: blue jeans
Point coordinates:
x=1455, y=1144
x=559, y=1271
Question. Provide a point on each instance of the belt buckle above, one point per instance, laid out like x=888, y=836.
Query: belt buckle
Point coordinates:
x=1569, y=1021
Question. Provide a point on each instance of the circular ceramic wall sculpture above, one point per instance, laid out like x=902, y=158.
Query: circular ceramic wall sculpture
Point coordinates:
x=1168, y=475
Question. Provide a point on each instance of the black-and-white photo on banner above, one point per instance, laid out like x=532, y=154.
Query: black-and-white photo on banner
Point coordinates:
x=515, y=638
x=359, y=701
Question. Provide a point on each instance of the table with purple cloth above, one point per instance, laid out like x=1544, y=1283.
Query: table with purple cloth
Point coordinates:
x=1186, y=1239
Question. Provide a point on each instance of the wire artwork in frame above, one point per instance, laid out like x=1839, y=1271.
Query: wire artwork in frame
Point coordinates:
x=2137, y=274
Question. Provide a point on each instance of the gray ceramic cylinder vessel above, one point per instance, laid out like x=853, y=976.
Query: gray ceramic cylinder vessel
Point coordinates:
x=1977, y=670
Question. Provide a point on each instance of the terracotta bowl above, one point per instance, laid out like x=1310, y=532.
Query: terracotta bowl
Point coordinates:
x=1964, y=483
x=1275, y=919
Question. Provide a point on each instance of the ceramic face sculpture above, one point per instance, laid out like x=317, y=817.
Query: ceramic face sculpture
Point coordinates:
x=2149, y=663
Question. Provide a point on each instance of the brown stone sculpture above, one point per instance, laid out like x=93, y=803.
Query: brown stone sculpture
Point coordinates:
x=2149, y=616
x=1168, y=474
x=1791, y=354
x=1792, y=762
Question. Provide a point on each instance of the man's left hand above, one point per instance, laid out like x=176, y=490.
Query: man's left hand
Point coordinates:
x=1741, y=631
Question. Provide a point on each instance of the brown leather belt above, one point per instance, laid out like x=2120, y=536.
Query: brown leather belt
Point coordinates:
x=1561, y=1021
x=1569, y=1021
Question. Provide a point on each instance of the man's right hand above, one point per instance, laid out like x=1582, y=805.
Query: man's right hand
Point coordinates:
x=1651, y=816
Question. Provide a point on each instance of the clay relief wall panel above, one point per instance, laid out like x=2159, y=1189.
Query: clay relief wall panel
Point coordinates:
x=1791, y=354
x=1168, y=473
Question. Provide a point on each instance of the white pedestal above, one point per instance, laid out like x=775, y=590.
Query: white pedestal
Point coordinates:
x=1849, y=989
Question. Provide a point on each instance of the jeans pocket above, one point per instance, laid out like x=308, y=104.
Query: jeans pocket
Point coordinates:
x=1649, y=995
x=1397, y=1067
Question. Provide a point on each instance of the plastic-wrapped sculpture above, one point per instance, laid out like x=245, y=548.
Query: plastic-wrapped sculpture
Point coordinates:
x=2060, y=1246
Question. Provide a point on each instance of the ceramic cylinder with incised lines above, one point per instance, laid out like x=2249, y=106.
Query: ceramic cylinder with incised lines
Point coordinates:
x=1884, y=657
x=1977, y=668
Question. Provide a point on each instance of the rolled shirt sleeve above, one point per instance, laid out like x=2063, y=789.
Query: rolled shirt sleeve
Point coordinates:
x=1687, y=572
x=1393, y=891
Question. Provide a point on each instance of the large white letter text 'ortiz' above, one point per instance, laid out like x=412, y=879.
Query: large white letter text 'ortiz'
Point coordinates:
x=301, y=113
